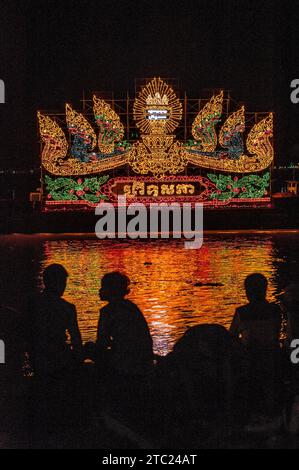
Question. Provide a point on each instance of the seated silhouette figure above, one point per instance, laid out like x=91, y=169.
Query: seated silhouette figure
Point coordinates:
x=55, y=344
x=257, y=325
x=123, y=353
x=123, y=339
x=199, y=385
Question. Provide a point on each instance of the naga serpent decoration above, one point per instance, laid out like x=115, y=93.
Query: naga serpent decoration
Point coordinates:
x=157, y=112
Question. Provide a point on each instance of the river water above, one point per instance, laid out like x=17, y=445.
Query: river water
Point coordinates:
x=175, y=288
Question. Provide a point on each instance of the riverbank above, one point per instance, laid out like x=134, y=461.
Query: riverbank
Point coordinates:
x=63, y=414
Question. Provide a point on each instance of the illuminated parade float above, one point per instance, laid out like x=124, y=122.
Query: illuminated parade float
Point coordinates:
x=219, y=156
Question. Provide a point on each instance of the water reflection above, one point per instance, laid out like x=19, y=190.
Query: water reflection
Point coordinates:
x=174, y=287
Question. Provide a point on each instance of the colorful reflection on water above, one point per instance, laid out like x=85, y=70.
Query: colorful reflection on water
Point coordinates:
x=174, y=287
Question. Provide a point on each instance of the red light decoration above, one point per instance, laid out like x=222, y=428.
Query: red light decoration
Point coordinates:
x=220, y=168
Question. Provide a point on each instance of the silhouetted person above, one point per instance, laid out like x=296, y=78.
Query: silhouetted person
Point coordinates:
x=123, y=352
x=53, y=322
x=200, y=384
x=258, y=326
x=123, y=331
x=258, y=323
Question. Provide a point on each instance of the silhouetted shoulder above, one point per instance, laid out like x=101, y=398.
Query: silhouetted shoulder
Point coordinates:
x=259, y=311
x=70, y=308
x=51, y=312
x=45, y=298
x=132, y=307
x=122, y=307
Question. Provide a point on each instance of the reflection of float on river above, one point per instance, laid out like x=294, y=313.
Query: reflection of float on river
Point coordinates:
x=174, y=287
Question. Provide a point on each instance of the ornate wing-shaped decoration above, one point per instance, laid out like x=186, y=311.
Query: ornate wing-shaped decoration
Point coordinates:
x=111, y=130
x=55, y=157
x=230, y=136
x=56, y=146
x=157, y=112
x=84, y=139
x=234, y=123
x=258, y=143
x=78, y=125
x=203, y=128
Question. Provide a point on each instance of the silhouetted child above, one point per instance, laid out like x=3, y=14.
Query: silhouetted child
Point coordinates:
x=258, y=326
x=258, y=323
x=55, y=344
x=124, y=352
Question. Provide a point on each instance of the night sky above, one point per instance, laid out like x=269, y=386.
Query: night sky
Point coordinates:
x=51, y=50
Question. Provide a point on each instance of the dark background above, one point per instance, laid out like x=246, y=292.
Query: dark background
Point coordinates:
x=51, y=50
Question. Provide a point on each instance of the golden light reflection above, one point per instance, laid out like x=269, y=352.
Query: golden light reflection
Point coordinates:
x=174, y=287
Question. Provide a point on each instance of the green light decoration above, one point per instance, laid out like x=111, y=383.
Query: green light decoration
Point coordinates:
x=108, y=131
x=205, y=131
x=249, y=186
x=70, y=189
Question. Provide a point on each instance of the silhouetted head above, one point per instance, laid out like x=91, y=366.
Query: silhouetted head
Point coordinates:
x=114, y=286
x=256, y=287
x=55, y=279
x=207, y=340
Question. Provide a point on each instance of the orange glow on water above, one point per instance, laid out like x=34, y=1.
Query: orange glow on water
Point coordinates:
x=174, y=287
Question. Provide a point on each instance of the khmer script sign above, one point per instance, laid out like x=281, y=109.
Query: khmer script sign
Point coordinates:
x=150, y=189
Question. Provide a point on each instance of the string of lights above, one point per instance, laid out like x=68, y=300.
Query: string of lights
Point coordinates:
x=157, y=153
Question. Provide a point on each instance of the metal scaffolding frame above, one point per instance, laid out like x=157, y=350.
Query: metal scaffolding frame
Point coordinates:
x=191, y=107
x=124, y=108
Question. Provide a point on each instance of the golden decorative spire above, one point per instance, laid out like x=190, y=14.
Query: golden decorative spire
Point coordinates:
x=78, y=121
x=157, y=100
x=203, y=128
x=234, y=123
x=167, y=112
x=157, y=112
